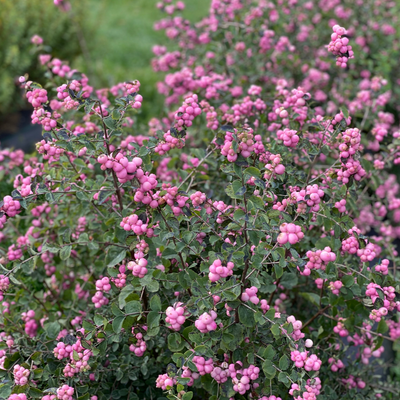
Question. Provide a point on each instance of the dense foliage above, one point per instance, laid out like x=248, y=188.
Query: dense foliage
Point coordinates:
x=239, y=247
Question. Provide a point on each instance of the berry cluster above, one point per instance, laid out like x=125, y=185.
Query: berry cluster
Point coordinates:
x=303, y=360
x=137, y=224
x=21, y=375
x=103, y=284
x=241, y=377
x=341, y=205
x=65, y=392
x=336, y=365
x=10, y=206
x=206, y=322
x=274, y=166
x=318, y=259
x=297, y=325
x=176, y=316
x=349, y=142
x=250, y=294
x=339, y=46
x=138, y=267
x=99, y=299
x=165, y=382
x=124, y=169
x=187, y=112
x=140, y=346
x=218, y=271
x=289, y=233
x=383, y=267
x=289, y=137
x=340, y=328
x=203, y=365
x=120, y=280
x=31, y=325
x=335, y=287
x=37, y=97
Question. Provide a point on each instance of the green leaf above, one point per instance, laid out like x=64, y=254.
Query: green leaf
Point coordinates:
x=89, y=105
x=275, y=330
x=116, y=114
x=133, y=307
x=125, y=292
x=116, y=311
x=80, y=163
x=155, y=303
x=260, y=183
x=229, y=295
x=238, y=215
x=187, y=396
x=273, y=213
x=75, y=355
x=153, y=319
x=35, y=393
x=117, y=324
x=278, y=271
x=203, y=351
x=282, y=377
x=270, y=314
x=258, y=203
x=65, y=252
x=268, y=368
x=83, y=238
x=103, y=195
x=88, y=326
x=311, y=297
x=42, y=188
x=51, y=249
x=246, y=316
x=214, y=239
x=36, y=356
x=348, y=280
x=5, y=390
x=241, y=191
x=289, y=280
x=14, y=280
x=175, y=342
x=110, y=123
x=269, y=352
x=52, y=329
x=232, y=190
x=283, y=362
x=143, y=151
x=382, y=326
x=10, y=360
x=252, y=172
x=98, y=320
x=294, y=253
x=153, y=286
x=20, y=389
x=323, y=242
x=16, y=195
x=115, y=255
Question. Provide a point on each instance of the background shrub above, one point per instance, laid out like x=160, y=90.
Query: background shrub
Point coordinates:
x=19, y=21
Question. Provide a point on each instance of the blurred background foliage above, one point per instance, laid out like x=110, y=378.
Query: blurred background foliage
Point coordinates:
x=19, y=21
x=110, y=41
x=120, y=39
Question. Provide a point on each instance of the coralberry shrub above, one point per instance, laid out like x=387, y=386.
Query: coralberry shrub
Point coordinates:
x=239, y=247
